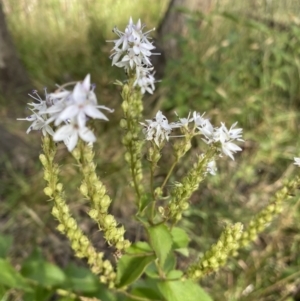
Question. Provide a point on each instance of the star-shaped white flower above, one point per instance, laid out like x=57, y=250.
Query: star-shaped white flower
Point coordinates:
x=70, y=133
x=157, y=129
x=83, y=104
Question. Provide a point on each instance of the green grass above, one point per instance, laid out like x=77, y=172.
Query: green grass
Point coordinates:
x=234, y=68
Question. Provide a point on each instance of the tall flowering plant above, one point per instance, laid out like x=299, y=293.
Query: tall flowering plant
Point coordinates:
x=145, y=270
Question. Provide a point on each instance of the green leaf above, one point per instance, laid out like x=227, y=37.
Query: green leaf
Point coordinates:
x=170, y=263
x=83, y=281
x=139, y=247
x=3, y=291
x=131, y=268
x=145, y=200
x=182, y=290
x=161, y=241
x=11, y=278
x=80, y=279
x=144, y=292
x=175, y=274
x=41, y=271
x=183, y=251
x=39, y=294
x=180, y=238
x=5, y=244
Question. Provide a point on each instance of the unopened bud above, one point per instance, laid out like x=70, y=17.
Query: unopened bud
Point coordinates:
x=43, y=159
x=123, y=124
x=84, y=189
x=59, y=187
x=48, y=191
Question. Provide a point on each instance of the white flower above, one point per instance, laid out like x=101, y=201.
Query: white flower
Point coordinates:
x=297, y=161
x=38, y=118
x=183, y=122
x=146, y=82
x=204, y=126
x=225, y=137
x=82, y=104
x=69, y=133
x=219, y=136
x=157, y=129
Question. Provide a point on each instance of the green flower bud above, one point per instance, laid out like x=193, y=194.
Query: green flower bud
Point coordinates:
x=71, y=223
x=178, y=217
x=75, y=246
x=84, y=241
x=109, y=221
x=93, y=213
x=83, y=189
x=55, y=212
x=126, y=243
x=105, y=202
x=89, y=156
x=161, y=210
x=59, y=187
x=43, y=159
x=123, y=124
x=93, y=178
x=48, y=191
x=125, y=106
x=65, y=210
x=47, y=176
x=120, y=245
x=205, y=263
x=77, y=234
x=184, y=206
x=76, y=154
x=127, y=157
x=61, y=228
x=158, y=192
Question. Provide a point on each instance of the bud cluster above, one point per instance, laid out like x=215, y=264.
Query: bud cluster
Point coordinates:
x=93, y=189
x=68, y=226
x=218, y=254
x=182, y=191
x=266, y=215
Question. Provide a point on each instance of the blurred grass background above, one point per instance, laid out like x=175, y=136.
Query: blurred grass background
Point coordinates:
x=240, y=63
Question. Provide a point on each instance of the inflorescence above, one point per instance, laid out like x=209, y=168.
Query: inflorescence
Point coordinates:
x=67, y=112
x=132, y=52
x=159, y=129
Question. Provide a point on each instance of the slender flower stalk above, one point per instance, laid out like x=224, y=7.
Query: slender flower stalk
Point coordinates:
x=132, y=51
x=132, y=108
x=94, y=190
x=182, y=191
x=68, y=226
x=218, y=254
x=267, y=214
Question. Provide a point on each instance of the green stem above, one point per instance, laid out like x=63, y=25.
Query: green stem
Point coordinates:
x=169, y=174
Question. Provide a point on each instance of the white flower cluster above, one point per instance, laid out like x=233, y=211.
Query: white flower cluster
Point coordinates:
x=159, y=129
x=219, y=135
x=68, y=111
x=132, y=51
